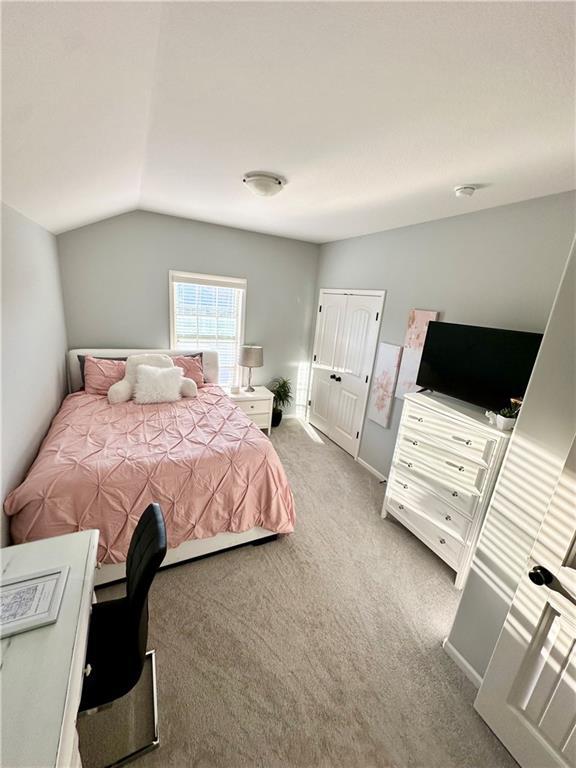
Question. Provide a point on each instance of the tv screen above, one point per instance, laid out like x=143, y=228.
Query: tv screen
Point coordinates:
x=483, y=366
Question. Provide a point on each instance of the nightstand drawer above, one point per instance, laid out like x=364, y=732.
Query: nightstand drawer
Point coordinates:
x=261, y=420
x=255, y=407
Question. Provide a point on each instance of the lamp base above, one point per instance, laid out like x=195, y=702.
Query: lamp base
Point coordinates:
x=249, y=389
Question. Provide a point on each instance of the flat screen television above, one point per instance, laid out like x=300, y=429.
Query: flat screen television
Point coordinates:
x=483, y=366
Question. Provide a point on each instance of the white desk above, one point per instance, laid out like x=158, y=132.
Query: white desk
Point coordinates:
x=41, y=671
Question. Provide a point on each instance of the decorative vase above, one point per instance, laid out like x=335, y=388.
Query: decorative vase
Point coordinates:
x=276, y=416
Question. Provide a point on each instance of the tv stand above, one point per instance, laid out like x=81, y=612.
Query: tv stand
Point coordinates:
x=445, y=465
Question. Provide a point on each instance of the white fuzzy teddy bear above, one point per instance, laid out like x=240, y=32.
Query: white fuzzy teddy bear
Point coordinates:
x=123, y=390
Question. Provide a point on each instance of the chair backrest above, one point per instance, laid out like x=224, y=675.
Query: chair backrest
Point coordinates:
x=145, y=555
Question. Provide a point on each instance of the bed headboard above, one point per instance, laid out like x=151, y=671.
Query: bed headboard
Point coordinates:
x=209, y=360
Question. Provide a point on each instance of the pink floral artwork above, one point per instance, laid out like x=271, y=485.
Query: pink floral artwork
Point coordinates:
x=383, y=383
x=418, y=320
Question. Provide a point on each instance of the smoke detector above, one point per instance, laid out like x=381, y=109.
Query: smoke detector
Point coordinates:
x=263, y=184
x=466, y=190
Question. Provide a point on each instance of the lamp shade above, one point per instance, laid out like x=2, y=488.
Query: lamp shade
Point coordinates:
x=251, y=357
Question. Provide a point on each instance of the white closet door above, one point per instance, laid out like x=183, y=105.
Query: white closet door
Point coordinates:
x=344, y=348
x=354, y=358
x=331, y=314
x=528, y=695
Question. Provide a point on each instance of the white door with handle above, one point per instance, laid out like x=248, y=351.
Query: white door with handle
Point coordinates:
x=528, y=695
x=344, y=349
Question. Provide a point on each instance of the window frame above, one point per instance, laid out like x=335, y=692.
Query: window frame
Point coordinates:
x=200, y=278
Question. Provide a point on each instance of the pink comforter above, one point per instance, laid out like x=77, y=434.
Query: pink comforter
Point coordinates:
x=209, y=467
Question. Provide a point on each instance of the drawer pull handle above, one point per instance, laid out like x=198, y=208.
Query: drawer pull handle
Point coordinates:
x=414, y=442
x=461, y=440
x=400, y=506
x=455, y=493
x=459, y=467
x=417, y=418
x=402, y=485
x=442, y=541
x=448, y=517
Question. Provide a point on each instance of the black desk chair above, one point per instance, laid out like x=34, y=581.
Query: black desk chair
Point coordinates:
x=118, y=633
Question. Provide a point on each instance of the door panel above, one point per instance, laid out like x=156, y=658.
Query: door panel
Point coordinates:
x=355, y=351
x=350, y=357
x=528, y=695
x=344, y=349
x=320, y=400
x=345, y=418
x=331, y=310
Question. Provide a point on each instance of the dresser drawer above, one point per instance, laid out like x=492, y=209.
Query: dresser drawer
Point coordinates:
x=445, y=545
x=409, y=478
x=466, y=441
x=254, y=407
x=428, y=459
x=423, y=501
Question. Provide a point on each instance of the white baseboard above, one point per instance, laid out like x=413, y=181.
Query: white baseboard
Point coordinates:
x=461, y=662
x=371, y=469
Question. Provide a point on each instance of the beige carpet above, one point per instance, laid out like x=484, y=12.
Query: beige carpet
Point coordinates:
x=321, y=649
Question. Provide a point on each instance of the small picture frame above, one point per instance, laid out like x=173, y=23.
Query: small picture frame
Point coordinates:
x=31, y=601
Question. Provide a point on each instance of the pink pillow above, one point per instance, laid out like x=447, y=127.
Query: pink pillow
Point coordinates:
x=192, y=367
x=99, y=375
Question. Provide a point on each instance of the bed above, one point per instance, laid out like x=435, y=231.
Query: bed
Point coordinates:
x=215, y=474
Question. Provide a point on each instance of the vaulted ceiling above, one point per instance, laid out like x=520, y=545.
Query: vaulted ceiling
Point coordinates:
x=372, y=111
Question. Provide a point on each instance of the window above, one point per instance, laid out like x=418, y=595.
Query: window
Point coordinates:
x=207, y=312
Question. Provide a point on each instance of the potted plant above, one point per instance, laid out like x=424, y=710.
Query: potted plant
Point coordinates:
x=282, y=390
x=506, y=418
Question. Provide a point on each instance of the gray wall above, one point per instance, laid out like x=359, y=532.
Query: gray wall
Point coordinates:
x=538, y=450
x=115, y=284
x=33, y=344
x=499, y=267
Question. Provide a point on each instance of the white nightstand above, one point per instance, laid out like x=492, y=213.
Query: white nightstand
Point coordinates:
x=257, y=405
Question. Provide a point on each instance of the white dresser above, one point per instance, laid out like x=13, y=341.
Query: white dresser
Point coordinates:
x=445, y=465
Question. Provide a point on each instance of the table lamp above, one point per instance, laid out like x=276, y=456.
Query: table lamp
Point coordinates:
x=251, y=357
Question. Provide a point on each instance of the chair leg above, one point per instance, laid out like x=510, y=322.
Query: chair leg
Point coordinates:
x=156, y=740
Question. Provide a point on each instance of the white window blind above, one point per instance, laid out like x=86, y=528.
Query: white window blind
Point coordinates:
x=207, y=313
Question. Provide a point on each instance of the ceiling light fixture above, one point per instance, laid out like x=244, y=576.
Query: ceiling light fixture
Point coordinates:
x=263, y=184
x=466, y=190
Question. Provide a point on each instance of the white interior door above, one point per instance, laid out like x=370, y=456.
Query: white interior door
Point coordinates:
x=344, y=348
x=354, y=361
x=528, y=695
